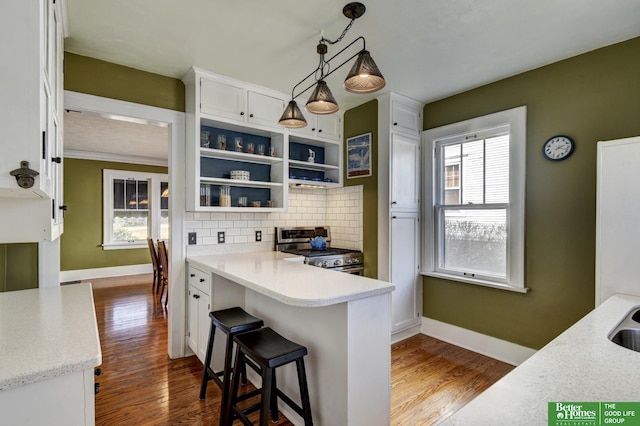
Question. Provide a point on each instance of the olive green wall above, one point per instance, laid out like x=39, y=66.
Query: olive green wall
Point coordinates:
x=95, y=77
x=18, y=266
x=357, y=121
x=81, y=243
x=591, y=97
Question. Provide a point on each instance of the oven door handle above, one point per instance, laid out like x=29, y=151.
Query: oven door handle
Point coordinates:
x=348, y=269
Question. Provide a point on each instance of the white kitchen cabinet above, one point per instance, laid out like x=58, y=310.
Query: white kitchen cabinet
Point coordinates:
x=320, y=126
x=617, y=215
x=399, y=121
x=405, y=173
x=31, y=106
x=405, y=118
x=226, y=98
x=199, y=306
x=323, y=135
x=218, y=106
x=406, y=300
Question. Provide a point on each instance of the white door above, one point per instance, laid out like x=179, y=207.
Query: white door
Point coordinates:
x=192, y=320
x=329, y=126
x=265, y=110
x=405, y=119
x=405, y=299
x=405, y=173
x=222, y=100
x=204, y=324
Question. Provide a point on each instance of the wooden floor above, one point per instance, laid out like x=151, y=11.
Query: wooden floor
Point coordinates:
x=140, y=385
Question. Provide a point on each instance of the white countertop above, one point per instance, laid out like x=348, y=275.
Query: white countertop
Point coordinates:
x=580, y=365
x=45, y=333
x=290, y=282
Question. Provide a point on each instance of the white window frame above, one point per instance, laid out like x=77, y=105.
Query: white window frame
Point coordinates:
x=515, y=119
x=154, y=179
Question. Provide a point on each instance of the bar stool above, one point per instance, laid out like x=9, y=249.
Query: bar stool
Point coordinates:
x=231, y=322
x=269, y=350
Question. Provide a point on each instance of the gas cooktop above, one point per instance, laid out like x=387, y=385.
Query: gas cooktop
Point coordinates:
x=317, y=253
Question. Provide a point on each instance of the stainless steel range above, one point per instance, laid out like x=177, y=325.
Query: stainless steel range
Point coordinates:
x=296, y=241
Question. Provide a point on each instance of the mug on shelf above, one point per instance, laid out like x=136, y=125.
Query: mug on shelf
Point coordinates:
x=261, y=149
x=272, y=151
x=250, y=148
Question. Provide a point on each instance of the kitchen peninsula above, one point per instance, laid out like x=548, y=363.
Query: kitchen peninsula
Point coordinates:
x=49, y=346
x=342, y=319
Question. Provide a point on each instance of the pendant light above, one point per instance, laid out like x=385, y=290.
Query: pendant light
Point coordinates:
x=292, y=117
x=364, y=77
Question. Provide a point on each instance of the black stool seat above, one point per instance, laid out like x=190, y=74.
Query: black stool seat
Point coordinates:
x=267, y=347
x=231, y=322
x=268, y=350
x=235, y=320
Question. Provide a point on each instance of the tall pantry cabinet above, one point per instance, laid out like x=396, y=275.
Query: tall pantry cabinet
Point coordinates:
x=399, y=126
x=31, y=107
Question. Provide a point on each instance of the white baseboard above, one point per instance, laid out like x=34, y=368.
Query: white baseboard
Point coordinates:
x=114, y=271
x=502, y=350
x=405, y=334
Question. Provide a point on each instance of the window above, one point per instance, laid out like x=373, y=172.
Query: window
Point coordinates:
x=136, y=207
x=474, y=195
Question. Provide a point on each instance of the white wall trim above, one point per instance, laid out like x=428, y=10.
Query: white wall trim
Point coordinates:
x=113, y=271
x=501, y=350
x=177, y=175
x=115, y=158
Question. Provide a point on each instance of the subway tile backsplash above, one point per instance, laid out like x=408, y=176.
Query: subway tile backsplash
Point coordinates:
x=339, y=208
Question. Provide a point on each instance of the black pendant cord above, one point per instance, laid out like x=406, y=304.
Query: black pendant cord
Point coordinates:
x=293, y=95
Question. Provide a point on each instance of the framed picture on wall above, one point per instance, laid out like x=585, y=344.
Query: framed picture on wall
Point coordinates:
x=359, y=156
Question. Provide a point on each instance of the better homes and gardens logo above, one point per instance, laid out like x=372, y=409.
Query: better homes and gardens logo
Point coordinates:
x=594, y=413
x=571, y=413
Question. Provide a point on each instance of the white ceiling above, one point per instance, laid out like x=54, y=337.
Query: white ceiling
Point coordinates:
x=426, y=49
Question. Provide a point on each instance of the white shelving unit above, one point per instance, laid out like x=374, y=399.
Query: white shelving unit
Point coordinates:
x=223, y=105
x=233, y=108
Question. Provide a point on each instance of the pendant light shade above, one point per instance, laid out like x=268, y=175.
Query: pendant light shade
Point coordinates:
x=292, y=117
x=364, y=77
x=322, y=100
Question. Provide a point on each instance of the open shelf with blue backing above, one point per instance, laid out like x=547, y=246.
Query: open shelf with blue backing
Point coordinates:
x=314, y=163
x=266, y=183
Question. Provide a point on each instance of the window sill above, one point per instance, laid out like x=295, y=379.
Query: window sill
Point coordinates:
x=125, y=246
x=482, y=283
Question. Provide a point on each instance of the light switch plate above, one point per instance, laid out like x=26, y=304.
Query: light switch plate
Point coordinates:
x=221, y=237
x=192, y=238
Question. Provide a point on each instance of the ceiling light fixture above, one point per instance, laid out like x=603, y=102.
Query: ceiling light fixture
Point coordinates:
x=364, y=77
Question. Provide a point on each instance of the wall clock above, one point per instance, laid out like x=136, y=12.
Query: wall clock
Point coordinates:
x=559, y=147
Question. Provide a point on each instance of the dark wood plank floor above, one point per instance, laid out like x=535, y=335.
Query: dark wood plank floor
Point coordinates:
x=140, y=385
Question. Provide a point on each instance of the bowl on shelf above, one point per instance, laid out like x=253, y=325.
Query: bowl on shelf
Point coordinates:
x=240, y=175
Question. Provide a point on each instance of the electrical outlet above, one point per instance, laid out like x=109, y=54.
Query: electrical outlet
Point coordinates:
x=258, y=235
x=221, y=237
x=192, y=238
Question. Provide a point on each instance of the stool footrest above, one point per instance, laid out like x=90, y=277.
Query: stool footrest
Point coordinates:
x=298, y=409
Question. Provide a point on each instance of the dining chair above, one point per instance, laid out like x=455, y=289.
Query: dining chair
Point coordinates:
x=163, y=256
x=157, y=272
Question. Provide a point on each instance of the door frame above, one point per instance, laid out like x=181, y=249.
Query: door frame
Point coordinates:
x=177, y=255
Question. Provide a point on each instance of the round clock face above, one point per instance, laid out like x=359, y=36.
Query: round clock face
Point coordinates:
x=558, y=148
